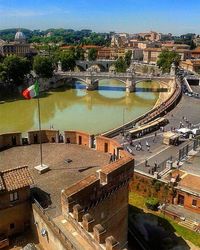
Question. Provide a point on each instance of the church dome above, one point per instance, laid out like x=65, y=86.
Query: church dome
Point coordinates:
x=20, y=37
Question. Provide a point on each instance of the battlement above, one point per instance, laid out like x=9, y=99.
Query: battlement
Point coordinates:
x=98, y=204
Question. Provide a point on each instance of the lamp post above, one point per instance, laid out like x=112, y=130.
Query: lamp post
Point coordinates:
x=123, y=128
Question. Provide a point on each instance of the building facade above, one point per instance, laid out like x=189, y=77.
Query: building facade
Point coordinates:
x=19, y=47
x=151, y=55
x=15, y=208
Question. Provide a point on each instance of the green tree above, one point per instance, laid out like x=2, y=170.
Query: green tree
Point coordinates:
x=92, y=54
x=13, y=69
x=166, y=58
x=68, y=61
x=127, y=58
x=120, y=65
x=43, y=66
x=79, y=53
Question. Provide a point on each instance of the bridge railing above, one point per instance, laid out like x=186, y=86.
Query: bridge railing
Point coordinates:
x=108, y=74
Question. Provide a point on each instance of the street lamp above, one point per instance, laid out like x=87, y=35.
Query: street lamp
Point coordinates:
x=123, y=121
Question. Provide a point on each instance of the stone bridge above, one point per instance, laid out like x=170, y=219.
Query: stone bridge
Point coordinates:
x=92, y=78
x=104, y=65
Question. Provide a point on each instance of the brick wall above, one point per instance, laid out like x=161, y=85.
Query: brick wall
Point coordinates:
x=10, y=140
x=100, y=202
x=53, y=240
x=23, y=194
x=18, y=215
x=17, y=212
x=148, y=186
x=188, y=198
x=108, y=145
x=46, y=136
x=77, y=137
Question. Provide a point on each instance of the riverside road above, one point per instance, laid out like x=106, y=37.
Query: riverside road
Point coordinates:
x=187, y=109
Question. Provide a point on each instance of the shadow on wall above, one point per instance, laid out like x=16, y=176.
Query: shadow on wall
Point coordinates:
x=42, y=197
x=154, y=232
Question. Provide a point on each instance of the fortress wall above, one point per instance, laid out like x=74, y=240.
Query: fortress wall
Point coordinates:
x=77, y=137
x=46, y=136
x=10, y=140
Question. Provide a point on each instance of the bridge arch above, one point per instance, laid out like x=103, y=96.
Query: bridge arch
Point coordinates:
x=113, y=78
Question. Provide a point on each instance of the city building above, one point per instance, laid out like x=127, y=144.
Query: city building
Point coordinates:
x=191, y=65
x=151, y=36
x=19, y=47
x=119, y=40
x=195, y=54
x=15, y=207
x=150, y=55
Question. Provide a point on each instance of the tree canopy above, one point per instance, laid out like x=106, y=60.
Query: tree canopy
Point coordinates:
x=13, y=69
x=43, y=66
x=67, y=36
x=127, y=58
x=166, y=58
x=92, y=54
x=68, y=61
x=120, y=65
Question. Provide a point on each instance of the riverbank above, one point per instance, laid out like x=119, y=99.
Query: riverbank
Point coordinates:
x=78, y=109
x=164, y=96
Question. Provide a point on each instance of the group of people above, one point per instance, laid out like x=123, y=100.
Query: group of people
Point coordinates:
x=139, y=146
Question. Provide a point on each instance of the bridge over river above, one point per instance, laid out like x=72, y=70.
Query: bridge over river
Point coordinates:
x=92, y=78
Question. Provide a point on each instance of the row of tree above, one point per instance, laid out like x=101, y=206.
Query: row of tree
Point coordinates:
x=13, y=69
x=66, y=36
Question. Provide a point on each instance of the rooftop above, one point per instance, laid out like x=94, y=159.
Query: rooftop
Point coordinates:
x=13, y=179
x=62, y=175
x=190, y=182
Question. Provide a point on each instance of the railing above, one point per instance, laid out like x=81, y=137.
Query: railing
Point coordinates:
x=150, y=115
x=109, y=74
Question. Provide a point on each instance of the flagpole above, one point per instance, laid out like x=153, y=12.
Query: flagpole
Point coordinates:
x=40, y=133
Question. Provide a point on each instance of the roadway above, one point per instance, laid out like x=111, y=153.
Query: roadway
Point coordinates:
x=188, y=107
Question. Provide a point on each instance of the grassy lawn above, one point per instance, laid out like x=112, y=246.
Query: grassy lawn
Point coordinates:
x=139, y=202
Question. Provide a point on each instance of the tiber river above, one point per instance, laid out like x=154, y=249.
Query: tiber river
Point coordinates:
x=77, y=109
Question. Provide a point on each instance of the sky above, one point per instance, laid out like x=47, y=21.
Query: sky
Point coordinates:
x=174, y=16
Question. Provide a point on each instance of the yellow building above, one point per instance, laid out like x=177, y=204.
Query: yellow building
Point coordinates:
x=191, y=65
x=150, y=55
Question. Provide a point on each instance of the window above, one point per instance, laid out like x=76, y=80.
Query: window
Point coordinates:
x=14, y=196
x=194, y=203
x=181, y=200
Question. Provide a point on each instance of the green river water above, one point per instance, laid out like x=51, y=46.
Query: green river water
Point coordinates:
x=77, y=109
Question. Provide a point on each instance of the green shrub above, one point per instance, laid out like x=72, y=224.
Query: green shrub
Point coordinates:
x=157, y=186
x=152, y=203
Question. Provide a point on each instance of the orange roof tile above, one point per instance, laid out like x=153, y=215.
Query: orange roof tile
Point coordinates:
x=2, y=186
x=16, y=178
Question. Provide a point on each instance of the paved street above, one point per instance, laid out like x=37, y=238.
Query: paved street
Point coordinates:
x=158, y=153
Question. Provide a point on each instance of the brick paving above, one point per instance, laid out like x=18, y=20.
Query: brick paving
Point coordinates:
x=61, y=175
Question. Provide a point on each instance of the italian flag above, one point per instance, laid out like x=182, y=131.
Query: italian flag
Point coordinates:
x=32, y=91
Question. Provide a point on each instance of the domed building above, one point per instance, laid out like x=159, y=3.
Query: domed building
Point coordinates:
x=19, y=47
x=20, y=37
